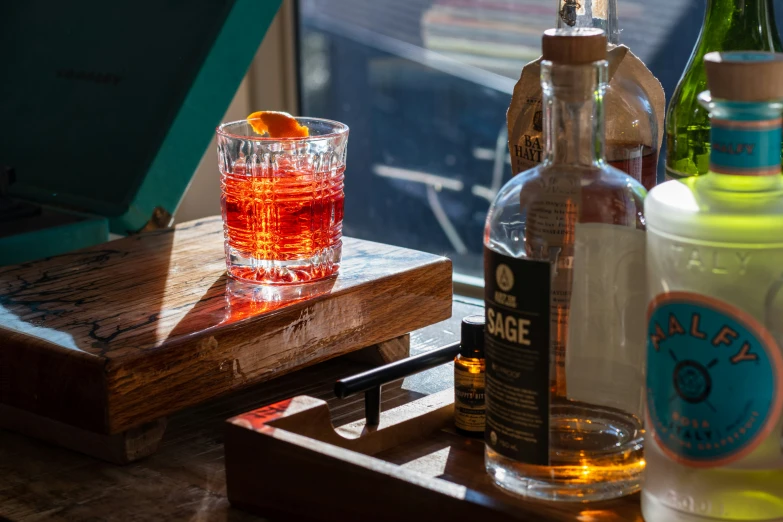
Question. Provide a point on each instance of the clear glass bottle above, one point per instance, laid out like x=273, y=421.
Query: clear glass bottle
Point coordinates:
x=634, y=102
x=632, y=142
x=564, y=335
x=728, y=26
x=715, y=275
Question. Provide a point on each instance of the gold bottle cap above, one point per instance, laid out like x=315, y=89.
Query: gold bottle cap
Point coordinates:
x=574, y=46
x=745, y=76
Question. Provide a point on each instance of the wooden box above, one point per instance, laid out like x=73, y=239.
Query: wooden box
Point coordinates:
x=287, y=461
x=98, y=346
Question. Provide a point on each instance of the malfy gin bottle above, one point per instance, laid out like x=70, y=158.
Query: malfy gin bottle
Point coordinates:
x=715, y=320
x=564, y=335
x=729, y=25
x=634, y=101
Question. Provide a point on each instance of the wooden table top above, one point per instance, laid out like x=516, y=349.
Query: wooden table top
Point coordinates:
x=185, y=480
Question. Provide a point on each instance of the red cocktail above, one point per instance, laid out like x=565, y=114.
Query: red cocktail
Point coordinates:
x=282, y=202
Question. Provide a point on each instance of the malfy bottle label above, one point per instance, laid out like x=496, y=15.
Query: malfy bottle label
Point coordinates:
x=517, y=348
x=714, y=380
x=746, y=148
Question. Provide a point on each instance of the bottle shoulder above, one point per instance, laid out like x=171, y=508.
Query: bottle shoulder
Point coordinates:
x=630, y=109
x=684, y=100
x=545, y=204
x=719, y=208
x=470, y=364
x=726, y=38
x=549, y=180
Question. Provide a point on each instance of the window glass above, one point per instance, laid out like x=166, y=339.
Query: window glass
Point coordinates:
x=424, y=86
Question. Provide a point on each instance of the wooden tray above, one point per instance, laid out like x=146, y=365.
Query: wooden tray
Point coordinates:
x=287, y=461
x=99, y=345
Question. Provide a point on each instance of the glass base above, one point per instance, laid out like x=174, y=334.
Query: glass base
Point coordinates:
x=653, y=510
x=750, y=491
x=270, y=272
x=596, y=454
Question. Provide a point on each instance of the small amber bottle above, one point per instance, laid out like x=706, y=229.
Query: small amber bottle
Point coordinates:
x=469, y=370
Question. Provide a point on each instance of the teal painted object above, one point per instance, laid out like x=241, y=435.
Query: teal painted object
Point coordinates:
x=108, y=107
x=74, y=231
x=206, y=102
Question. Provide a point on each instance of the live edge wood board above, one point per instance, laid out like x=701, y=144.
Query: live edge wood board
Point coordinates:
x=111, y=339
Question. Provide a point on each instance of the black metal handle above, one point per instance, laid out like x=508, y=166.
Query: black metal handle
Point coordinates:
x=370, y=382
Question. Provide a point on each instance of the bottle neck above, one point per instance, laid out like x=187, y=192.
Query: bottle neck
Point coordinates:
x=599, y=14
x=574, y=118
x=745, y=137
x=740, y=25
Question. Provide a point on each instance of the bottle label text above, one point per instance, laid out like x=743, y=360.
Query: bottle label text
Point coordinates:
x=714, y=379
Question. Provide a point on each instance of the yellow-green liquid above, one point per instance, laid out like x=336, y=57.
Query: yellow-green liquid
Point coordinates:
x=698, y=230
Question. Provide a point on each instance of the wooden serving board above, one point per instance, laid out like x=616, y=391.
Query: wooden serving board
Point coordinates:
x=286, y=461
x=99, y=345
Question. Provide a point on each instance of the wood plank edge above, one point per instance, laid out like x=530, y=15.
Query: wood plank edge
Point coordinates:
x=121, y=448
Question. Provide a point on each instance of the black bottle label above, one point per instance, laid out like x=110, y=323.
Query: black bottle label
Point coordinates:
x=517, y=348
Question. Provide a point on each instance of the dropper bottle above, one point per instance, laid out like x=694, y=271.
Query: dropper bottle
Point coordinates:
x=469, y=371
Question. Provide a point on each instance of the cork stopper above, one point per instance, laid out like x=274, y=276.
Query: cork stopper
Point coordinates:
x=752, y=76
x=574, y=46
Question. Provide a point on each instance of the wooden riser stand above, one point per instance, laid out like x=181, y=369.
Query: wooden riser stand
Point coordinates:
x=98, y=346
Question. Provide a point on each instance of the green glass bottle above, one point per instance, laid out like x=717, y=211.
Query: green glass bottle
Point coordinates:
x=729, y=25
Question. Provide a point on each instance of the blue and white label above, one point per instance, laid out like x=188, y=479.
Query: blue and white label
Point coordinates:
x=746, y=148
x=749, y=56
x=714, y=377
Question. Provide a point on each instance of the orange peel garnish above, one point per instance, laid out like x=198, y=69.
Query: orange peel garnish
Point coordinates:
x=277, y=125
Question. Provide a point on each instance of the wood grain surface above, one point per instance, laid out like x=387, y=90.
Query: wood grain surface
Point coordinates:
x=414, y=466
x=116, y=336
x=185, y=479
